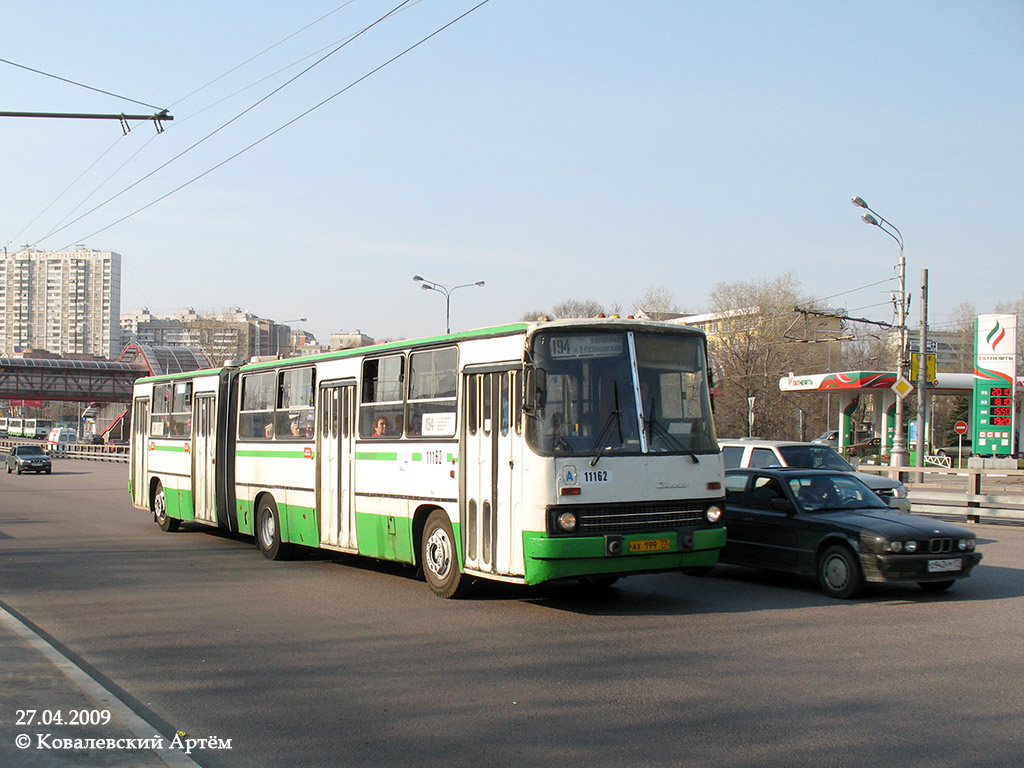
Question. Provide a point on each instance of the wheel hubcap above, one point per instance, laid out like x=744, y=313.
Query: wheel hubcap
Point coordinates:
x=439, y=553
x=836, y=572
x=160, y=506
x=268, y=528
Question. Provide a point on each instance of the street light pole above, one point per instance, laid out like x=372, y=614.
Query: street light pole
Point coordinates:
x=898, y=455
x=430, y=285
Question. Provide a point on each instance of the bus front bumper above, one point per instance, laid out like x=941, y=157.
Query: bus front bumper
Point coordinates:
x=548, y=558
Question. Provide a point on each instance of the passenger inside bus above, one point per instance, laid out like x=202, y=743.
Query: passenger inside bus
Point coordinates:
x=380, y=427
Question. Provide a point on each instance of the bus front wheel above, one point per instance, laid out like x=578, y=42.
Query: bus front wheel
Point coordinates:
x=164, y=521
x=268, y=531
x=439, y=558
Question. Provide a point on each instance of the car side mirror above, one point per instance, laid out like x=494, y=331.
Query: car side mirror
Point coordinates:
x=780, y=504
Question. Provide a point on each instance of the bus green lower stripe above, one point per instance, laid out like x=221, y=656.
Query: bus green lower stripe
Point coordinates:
x=550, y=558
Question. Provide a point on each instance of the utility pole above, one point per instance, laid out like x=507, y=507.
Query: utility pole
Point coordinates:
x=898, y=454
x=922, y=374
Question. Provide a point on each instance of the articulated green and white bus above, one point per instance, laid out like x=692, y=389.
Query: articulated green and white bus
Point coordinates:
x=26, y=427
x=523, y=453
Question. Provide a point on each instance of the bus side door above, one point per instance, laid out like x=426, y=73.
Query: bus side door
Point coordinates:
x=140, y=453
x=204, y=458
x=488, y=472
x=335, y=498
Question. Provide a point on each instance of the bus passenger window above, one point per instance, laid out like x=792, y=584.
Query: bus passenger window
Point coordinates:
x=256, y=419
x=161, y=413
x=296, y=394
x=381, y=414
x=432, y=390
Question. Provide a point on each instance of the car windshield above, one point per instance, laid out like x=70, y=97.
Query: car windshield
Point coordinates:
x=28, y=450
x=830, y=493
x=813, y=457
x=592, y=380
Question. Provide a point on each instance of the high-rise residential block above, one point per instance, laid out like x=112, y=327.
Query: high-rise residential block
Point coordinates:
x=66, y=302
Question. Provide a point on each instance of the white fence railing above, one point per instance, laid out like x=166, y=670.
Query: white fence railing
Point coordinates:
x=972, y=492
x=118, y=453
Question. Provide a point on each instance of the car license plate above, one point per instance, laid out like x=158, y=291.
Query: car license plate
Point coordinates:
x=650, y=545
x=942, y=566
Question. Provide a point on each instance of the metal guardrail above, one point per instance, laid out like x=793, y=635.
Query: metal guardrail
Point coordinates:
x=972, y=492
x=118, y=453
x=104, y=452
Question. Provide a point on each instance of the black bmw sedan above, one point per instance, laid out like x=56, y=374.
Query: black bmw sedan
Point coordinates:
x=831, y=526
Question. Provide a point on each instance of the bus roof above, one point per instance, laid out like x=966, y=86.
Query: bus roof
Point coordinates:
x=479, y=333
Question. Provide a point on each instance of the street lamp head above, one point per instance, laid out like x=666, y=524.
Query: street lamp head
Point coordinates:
x=427, y=288
x=859, y=202
x=867, y=218
x=417, y=278
x=479, y=282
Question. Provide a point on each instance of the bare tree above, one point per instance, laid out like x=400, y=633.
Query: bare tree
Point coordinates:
x=756, y=338
x=657, y=303
x=869, y=348
x=574, y=308
x=534, y=314
x=964, y=318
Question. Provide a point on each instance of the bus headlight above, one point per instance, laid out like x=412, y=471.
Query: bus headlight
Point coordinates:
x=567, y=522
x=713, y=513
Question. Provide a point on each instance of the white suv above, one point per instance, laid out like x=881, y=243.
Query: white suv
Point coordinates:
x=783, y=453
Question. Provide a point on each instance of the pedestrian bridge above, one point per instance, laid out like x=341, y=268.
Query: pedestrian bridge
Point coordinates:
x=96, y=381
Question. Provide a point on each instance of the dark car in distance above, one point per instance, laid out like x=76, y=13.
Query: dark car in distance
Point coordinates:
x=27, y=458
x=830, y=525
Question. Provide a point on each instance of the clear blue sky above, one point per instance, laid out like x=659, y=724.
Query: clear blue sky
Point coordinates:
x=578, y=149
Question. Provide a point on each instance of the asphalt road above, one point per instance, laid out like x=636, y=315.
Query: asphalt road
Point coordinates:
x=335, y=661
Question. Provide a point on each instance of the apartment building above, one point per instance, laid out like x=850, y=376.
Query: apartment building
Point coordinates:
x=231, y=335
x=65, y=302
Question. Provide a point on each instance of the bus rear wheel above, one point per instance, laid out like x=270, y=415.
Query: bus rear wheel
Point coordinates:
x=164, y=521
x=268, y=531
x=439, y=558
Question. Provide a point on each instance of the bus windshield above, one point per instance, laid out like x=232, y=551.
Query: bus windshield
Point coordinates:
x=621, y=392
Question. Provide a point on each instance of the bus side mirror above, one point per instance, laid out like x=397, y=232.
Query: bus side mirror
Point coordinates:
x=535, y=389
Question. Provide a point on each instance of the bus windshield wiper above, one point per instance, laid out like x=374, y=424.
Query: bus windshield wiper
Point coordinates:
x=598, y=446
x=655, y=427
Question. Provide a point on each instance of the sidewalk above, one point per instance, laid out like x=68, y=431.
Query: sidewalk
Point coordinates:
x=44, y=699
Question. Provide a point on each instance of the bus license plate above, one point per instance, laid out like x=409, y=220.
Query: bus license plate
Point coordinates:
x=942, y=566
x=650, y=545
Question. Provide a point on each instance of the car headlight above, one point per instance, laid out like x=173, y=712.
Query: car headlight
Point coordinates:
x=567, y=522
x=965, y=544
x=713, y=513
x=910, y=546
x=895, y=546
x=900, y=491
